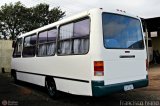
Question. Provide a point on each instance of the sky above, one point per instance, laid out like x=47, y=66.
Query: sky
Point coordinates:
x=141, y=8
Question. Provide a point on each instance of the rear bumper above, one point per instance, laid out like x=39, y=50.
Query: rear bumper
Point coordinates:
x=99, y=89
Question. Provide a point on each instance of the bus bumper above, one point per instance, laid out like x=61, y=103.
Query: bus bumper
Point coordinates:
x=99, y=89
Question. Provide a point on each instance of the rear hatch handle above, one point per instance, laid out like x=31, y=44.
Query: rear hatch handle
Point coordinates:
x=127, y=56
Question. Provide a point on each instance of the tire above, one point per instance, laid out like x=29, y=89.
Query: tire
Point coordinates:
x=51, y=87
x=14, y=76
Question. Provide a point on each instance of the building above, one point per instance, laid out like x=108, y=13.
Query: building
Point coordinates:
x=153, y=28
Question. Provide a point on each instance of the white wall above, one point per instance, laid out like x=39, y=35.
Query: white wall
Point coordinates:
x=5, y=55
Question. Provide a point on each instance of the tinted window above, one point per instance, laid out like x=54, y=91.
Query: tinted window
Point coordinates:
x=18, y=48
x=29, y=46
x=66, y=31
x=122, y=32
x=52, y=35
x=81, y=28
x=74, y=38
x=47, y=43
x=42, y=37
x=33, y=39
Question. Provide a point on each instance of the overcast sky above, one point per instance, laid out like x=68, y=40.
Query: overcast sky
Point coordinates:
x=142, y=8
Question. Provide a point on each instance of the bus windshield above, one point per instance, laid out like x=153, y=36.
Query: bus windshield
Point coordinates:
x=122, y=32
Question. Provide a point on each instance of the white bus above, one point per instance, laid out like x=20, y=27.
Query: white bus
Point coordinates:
x=94, y=53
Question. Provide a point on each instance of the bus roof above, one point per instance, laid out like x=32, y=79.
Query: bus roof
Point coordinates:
x=77, y=16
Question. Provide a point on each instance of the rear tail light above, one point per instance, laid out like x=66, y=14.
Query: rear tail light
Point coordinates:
x=147, y=64
x=98, y=68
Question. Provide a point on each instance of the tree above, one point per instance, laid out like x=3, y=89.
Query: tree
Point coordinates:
x=16, y=18
x=12, y=19
x=41, y=15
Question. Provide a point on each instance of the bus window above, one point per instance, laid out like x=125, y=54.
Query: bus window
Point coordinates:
x=18, y=48
x=122, y=32
x=51, y=45
x=47, y=43
x=74, y=38
x=65, y=41
x=42, y=39
x=81, y=31
x=29, y=46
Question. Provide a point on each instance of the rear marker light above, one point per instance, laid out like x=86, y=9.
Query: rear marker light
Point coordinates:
x=98, y=68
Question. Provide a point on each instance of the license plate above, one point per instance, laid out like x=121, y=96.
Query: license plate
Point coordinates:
x=128, y=87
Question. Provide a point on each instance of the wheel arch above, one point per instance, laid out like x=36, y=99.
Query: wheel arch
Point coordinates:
x=50, y=78
x=13, y=73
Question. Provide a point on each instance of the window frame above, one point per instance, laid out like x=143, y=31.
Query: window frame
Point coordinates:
x=37, y=47
x=123, y=48
x=73, y=21
x=34, y=34
x=15, y=56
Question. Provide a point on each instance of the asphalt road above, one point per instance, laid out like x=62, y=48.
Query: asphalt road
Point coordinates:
x=24, y=94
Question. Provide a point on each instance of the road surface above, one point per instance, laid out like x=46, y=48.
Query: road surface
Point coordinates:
x=24, y=94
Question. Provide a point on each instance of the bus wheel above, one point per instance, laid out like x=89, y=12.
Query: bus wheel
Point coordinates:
x=51, y=87
x=14, y=76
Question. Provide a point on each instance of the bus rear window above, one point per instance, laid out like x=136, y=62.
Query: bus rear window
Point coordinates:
x=122, y=32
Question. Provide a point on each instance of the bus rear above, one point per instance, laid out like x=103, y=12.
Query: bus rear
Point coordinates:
x=124, y=64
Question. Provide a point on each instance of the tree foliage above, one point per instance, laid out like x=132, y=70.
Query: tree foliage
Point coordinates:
x=16, y=18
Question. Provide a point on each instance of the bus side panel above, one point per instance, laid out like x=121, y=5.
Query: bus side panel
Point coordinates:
x=73, y=87
x=35, y=79
x=70, y=72
x=77, y=68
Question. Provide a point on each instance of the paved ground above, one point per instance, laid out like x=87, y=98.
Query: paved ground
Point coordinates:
x=24, y=94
